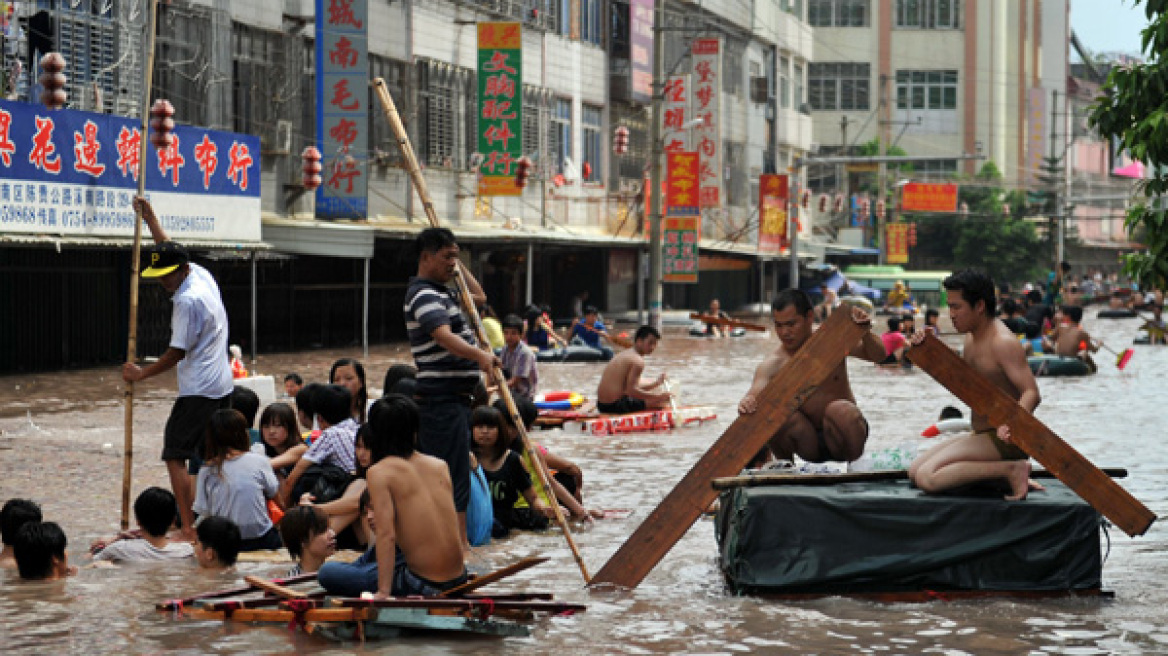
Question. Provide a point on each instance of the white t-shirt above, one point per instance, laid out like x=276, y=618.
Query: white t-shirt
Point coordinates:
x=140, y=551
x=198, y=325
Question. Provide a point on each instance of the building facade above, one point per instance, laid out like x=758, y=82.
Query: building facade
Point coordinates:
x=249, y=67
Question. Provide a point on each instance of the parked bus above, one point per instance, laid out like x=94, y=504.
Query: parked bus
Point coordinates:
x=925, y=285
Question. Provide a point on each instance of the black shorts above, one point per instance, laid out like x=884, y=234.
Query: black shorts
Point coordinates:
x=187, y=426
x=623, y=406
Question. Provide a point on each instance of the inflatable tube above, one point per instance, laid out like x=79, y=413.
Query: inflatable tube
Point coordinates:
x=957, y=425
x=1053, y=365
x=561, y=400
x=1116, y=314
x=573, y=354
x=698, y=329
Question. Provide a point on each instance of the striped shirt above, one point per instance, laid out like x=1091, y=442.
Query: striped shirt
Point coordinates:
x=428, y=306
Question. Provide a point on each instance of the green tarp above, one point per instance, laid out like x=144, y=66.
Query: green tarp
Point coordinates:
x=886, y=536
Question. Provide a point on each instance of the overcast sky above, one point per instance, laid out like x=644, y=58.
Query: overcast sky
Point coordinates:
x=1108, y=25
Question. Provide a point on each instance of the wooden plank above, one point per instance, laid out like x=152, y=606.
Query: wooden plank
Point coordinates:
x=1032, y=436
x=499, y=574
x=438, y=604
x=176, y=604
x=731, y=323
x=274, y=588
x=766, y=480
x=796, y=381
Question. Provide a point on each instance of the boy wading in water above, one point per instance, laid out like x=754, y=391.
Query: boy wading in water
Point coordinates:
x=994, y=351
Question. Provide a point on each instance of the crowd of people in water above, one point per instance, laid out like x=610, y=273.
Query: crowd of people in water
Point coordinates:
x=415, y=477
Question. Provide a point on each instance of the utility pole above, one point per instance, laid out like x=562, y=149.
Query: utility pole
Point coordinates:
x=656, y=172
x=882, y=178
x=1051, y=177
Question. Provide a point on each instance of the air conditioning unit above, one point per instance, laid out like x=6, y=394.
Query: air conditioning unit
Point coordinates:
x=813, y=148
x=282, y=144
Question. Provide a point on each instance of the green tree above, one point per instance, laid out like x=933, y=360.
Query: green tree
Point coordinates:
x=1134, y=109
x=1005, y=246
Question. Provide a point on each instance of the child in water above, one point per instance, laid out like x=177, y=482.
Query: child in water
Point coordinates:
x=506, y=477
x=281, y=441
x=217, y=544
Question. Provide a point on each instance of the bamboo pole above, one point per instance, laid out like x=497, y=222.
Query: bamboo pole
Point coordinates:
x=403, y=142
x=135, y=256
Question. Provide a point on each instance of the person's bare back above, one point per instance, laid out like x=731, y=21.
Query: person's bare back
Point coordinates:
x=420, y=510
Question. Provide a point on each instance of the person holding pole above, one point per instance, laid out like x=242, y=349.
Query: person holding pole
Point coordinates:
x=447, y=356
x=198, y=348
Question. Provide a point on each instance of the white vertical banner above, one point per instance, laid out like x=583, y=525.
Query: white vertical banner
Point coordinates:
x=677, y=112
x=707, y=105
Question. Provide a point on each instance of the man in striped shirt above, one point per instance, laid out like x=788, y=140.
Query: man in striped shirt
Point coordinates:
x=447, y=356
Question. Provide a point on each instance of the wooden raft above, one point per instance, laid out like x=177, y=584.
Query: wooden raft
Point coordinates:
x=1032, y=436
x=789, y=388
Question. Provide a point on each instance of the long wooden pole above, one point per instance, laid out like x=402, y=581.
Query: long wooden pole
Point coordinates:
x=135, y=256
x=403, y=142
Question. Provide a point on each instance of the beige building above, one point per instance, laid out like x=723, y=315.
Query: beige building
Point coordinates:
x=940, y=78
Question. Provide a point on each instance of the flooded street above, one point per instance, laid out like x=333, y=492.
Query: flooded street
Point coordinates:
x=61, y=445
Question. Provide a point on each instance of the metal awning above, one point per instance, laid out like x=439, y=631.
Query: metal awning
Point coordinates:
x=100, y=241
x=323, y=238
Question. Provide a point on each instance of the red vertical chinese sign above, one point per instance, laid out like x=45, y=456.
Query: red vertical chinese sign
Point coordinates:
x=342, y=107
x=773, y=198
x=682, y=218
x=707, y=105
x=500, y=107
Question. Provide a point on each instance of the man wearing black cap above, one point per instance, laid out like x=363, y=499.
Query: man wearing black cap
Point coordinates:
x=198, y=346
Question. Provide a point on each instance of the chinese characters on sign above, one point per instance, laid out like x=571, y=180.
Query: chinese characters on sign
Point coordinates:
x=897, y=243
x=773, y=195
x=682, y=219
x=707, y=104
x=500, y=107
x=641, y=49
x=342, y=116
x=675, y=114
x=75, y=173
x=925, y=197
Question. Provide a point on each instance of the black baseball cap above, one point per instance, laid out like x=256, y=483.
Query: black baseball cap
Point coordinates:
x=165, y=258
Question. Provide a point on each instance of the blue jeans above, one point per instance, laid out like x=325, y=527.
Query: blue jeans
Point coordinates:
x=351, y=579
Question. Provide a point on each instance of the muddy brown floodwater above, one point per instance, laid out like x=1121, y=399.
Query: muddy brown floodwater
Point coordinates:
x=61, y=445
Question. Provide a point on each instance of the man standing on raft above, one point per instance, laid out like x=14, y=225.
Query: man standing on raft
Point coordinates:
x=828, y=426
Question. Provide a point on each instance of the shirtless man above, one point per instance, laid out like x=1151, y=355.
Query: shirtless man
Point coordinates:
x=621, y=389
x=1069, y=339
x=991, y=349
x=828, y=426
x=418, y=542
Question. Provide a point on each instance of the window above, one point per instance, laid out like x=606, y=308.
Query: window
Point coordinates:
x=733, y=54
x=591, y=26
x=798, y=79
x=446, y=120
x=560, y=133
x=840, y=86
x=937, y=168
x=591, y=122
x=254, y=86
x=926, y=89
x=928, y=14
x=784, y=82
x=838, y=13
x=564, y=25
x=382, y=141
